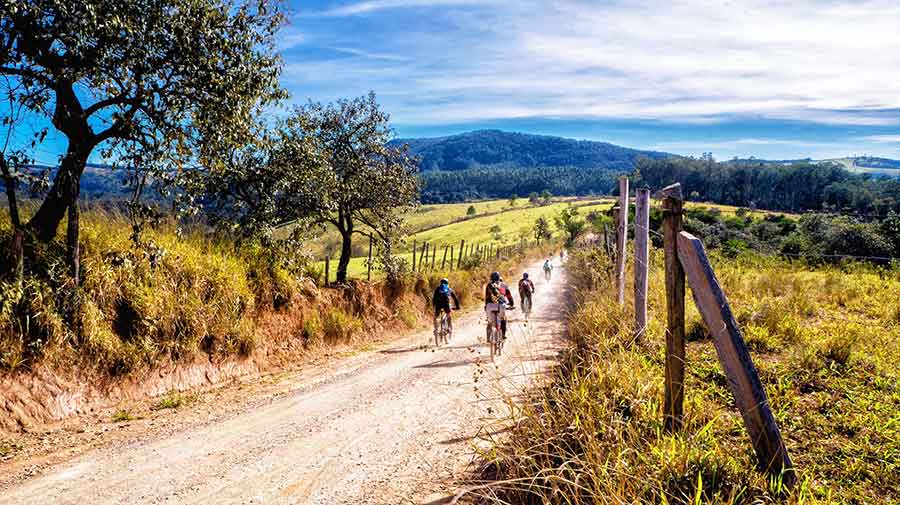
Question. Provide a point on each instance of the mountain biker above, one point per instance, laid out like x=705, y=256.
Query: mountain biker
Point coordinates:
x=526, y=289
x=440, y=300
x=497, y=298
x=548, y=269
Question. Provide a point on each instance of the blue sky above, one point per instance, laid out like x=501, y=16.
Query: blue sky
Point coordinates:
x=772, y=79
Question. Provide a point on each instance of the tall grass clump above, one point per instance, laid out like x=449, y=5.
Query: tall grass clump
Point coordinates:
x=169, y=297
x=827, y=356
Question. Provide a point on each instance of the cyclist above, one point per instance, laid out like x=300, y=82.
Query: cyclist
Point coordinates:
x=526, y=289
x=548, y=269
x=440, y=300
x=497, y=298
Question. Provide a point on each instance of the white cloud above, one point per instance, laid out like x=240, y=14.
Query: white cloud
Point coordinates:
x=818, y=60
x=887, y=139
x=358, y=8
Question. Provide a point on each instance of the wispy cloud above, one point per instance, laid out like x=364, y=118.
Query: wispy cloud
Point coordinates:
x=358, y=8
x=699, y=62
x=887, y=139
x=368, y=55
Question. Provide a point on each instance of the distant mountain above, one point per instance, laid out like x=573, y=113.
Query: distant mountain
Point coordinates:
x=496, y=148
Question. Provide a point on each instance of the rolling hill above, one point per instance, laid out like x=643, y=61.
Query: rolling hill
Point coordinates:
x=496, y=148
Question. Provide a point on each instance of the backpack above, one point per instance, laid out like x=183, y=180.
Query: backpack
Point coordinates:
x=547, y=266
x=525, y=286
x=494, y=292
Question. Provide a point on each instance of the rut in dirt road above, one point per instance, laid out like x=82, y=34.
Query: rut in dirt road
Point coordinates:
x=398, y=429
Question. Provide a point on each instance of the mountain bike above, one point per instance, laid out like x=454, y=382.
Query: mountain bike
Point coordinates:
x=495, y=337
x=443, y=333
x=526, y=306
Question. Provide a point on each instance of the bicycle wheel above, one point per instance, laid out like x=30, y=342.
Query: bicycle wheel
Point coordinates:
x=445, y=328
x=495, y=341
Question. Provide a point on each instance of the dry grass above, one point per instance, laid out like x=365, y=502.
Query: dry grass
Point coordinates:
x=183, y=296
x=826, y=342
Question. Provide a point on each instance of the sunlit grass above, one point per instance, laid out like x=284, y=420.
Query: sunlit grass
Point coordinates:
x=826, y=343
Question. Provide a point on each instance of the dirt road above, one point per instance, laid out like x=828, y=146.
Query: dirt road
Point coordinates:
x=397, y=428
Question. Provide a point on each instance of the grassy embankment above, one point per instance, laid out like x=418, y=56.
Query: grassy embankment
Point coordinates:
x=189, y=296
x=826, y=342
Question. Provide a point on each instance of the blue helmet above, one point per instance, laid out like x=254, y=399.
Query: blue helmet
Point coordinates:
x=525, y=275
x=495, y=277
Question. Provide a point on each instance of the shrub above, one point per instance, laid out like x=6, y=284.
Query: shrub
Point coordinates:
x=340, y=326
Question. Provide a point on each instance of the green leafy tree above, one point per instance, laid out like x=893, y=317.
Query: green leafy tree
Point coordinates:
x=272, y=183
x=471, y=211
x=370, y=183
x=496, y=231
x=513, y=200
x=542, y=229
x=152, y=84
x=534, y=199
x=570, y=224
x=546, y=197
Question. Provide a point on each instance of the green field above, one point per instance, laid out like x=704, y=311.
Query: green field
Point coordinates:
x=851, y=166
x=515, y=224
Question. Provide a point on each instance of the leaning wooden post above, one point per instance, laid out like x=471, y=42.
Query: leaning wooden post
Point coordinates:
x=459, y=259
x=451, y=258
x=641, y=260
x=444, y=259
x=423, y=258
x=743, y=379
x=673, y=406
x=621, y=239
x=369, y=263
x=414, y=256
x=433, y=256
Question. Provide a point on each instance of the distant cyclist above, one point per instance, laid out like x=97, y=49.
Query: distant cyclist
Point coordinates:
x=562, y=255
x=526, y=289
x=440, y=300
x=548, y=269
x=497, y=298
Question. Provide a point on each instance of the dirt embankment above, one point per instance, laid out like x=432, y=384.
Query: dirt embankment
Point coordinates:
x=313, y=324
x=392, y=424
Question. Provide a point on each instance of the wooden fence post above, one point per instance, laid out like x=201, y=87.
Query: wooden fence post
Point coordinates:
x=369, y=263
x=452, y=257
x=743, y=379
x=433, y=256
x=459, y=259
x=621, y=239
x=414, y=256
x=673, y=407
x=641, y=260
x=444, y=259
x=423, y=258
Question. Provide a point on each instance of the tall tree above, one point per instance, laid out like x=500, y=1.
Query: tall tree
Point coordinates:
x=153, y=83
x=373, y=183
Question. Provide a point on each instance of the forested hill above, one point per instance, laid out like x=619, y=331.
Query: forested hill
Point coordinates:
x=498, y=164
x=496, y=148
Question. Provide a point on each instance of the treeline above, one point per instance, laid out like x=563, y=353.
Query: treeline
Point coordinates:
x=500, y=149
x=801, y=186
x=813, y=237
x=482, y=183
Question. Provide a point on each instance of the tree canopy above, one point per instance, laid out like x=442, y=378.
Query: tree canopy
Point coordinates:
x=157, y=85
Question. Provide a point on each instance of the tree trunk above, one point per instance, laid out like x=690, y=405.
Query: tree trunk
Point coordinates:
x=346, y=250
x=17, y=248
x=63, y=194
x=73, y=251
